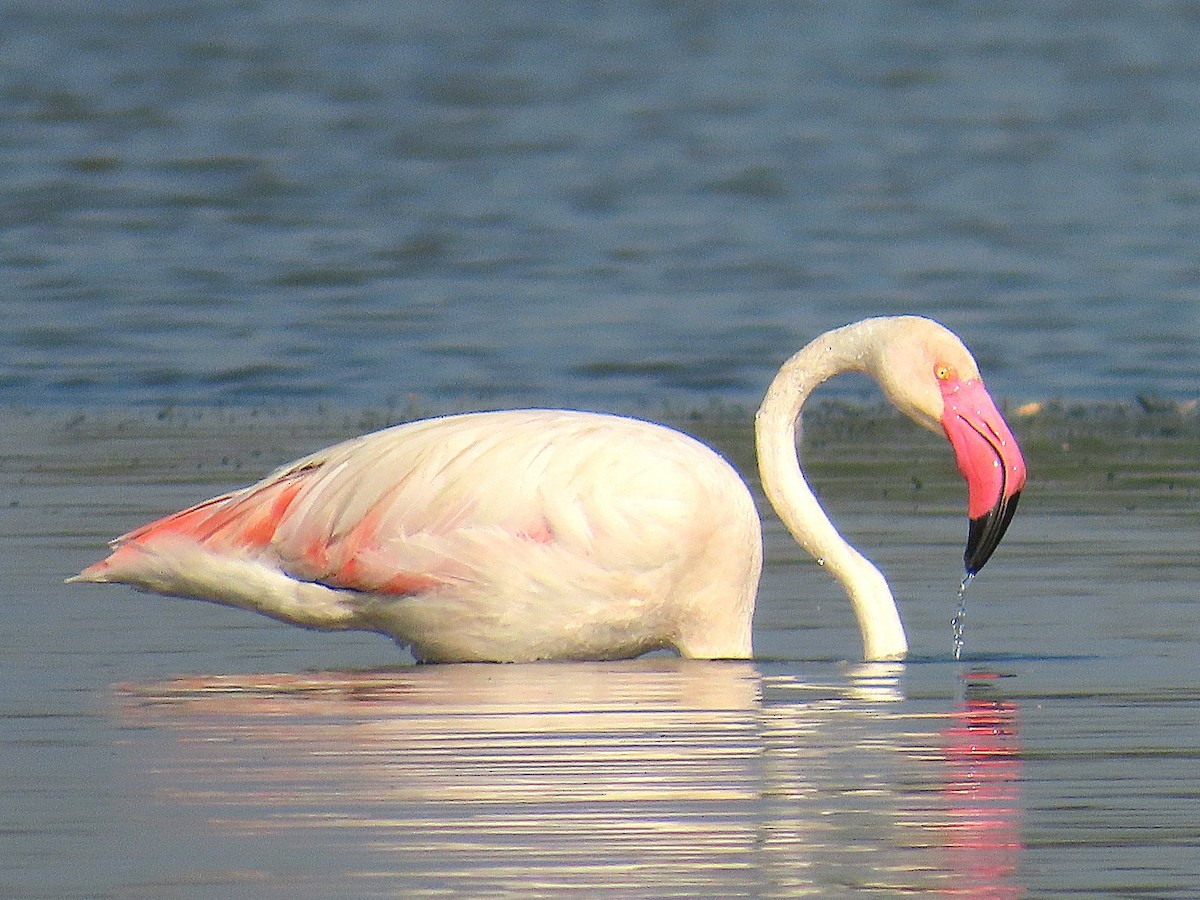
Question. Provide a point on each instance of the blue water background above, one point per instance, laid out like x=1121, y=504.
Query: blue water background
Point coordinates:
x=616, y=205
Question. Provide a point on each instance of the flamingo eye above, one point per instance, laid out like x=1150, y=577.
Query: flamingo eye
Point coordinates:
x=943, y=372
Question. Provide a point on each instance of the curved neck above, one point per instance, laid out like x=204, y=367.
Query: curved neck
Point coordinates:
x=843, y=350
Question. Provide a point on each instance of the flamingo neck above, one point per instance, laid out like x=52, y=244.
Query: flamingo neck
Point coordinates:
x=845, y=349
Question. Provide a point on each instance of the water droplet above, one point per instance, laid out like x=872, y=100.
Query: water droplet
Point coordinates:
x=959, y=622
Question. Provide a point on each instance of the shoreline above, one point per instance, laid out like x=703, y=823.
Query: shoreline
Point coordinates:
x=1081, y=456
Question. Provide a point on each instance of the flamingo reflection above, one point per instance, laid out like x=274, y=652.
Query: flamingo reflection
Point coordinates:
x=657, y=776
x=983, y=755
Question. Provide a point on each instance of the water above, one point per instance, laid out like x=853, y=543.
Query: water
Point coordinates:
x=958, y=624
x=466, y=202
x=653, y=779
x=173, y=749
x=233, y=233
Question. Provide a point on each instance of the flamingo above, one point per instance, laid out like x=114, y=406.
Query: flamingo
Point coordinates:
x=552, y=534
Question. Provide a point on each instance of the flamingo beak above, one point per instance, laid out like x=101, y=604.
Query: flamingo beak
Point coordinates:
x=989, y=459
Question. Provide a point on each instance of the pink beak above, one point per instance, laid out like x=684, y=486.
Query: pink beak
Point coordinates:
x=989, y=459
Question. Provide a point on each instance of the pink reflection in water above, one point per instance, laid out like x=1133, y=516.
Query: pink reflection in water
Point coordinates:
x=983, y=754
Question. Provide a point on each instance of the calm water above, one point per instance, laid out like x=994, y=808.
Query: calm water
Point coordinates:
x=171, y=749
x=318, y=217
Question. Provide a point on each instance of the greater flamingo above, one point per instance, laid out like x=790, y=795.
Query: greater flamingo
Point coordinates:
x=550, y=534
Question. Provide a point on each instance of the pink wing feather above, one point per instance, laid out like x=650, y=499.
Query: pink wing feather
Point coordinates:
x=376, y=514
x=262, y=522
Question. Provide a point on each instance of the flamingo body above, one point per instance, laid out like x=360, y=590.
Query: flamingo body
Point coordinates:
x=542, y=534
x=503, y=536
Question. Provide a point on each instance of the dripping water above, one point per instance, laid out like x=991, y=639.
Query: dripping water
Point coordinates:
x=959, y=622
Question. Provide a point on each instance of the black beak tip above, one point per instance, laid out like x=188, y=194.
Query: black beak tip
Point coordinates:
x=985, y=532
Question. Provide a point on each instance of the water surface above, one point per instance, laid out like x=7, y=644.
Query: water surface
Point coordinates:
x=167, y=748
x=553, y=203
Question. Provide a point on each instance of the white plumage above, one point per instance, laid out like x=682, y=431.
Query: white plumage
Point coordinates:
x=489, y=536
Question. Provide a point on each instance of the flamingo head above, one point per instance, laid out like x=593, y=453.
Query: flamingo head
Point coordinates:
x=929, y=374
